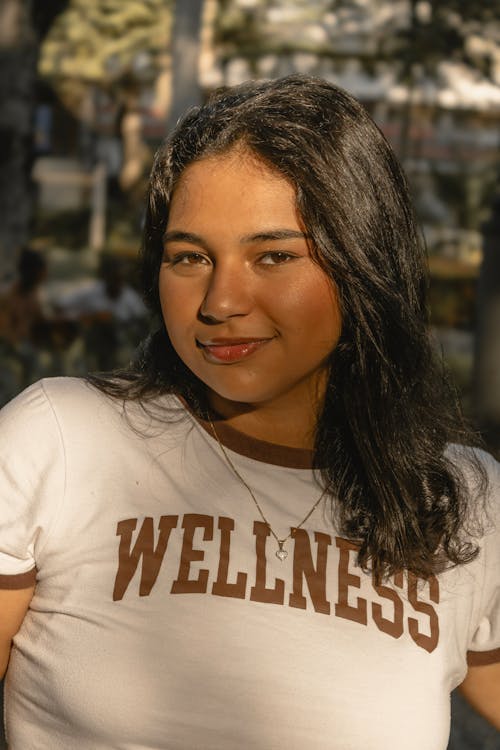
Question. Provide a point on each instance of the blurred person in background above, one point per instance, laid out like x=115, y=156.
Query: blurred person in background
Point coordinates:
x=271, y=530
x=23, y=323
x=487, y=342
x=111, y=315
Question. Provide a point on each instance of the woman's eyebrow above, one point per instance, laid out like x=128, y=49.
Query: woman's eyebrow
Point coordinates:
x=176, y=235
x=275, y=234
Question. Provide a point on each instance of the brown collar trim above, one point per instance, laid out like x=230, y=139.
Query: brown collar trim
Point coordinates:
x=251, y=447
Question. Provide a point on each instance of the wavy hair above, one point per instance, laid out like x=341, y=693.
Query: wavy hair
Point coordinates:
x=389, y=411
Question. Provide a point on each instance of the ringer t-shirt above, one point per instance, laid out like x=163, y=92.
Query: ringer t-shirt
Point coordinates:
x=162, y=618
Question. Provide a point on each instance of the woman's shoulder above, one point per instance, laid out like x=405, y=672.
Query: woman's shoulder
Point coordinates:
x=479, y=472
x=72, y=416
x=49, y=393
x=476, y=465
x=41, y=410
x=73, y=401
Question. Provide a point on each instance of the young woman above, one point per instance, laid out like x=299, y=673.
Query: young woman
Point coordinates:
x=267, y=533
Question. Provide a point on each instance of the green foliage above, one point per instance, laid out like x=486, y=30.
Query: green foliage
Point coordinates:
x=105, y=41
x=440, y=31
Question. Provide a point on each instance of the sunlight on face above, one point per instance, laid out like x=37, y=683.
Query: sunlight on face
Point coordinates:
x=246, y=307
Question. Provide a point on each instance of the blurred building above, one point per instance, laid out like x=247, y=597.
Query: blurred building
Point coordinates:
x=429, y=76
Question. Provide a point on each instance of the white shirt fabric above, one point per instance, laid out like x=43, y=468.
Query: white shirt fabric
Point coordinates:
x=162, y=619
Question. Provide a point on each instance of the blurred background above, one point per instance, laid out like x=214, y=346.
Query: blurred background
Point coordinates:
x=89, y=88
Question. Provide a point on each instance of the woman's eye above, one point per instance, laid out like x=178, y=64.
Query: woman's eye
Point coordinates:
x=187, y=259
x=276, y=258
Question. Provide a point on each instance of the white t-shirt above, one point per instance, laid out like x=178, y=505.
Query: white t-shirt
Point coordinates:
x=162, y=619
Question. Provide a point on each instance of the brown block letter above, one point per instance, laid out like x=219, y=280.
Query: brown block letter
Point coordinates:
x=395, y=626
x=184, y=584
x=427, y=642
x=315, y=576
x=259, y=592
x=347, y=579
x=152, y=557
x=221, y=586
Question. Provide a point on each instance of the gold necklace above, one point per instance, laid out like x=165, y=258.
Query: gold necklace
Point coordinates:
x=281, y=552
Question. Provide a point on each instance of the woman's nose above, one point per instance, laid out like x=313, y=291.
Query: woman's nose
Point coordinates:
x=228, y=293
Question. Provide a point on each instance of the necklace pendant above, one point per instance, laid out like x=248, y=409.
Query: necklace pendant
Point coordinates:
x=281, y=553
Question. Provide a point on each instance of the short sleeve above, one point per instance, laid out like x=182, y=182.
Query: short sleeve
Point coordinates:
x=484, y=647
x=31, y=483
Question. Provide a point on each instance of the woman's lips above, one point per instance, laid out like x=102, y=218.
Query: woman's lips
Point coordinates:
x=231, y=351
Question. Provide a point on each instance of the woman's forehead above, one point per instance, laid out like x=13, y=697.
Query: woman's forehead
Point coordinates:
x=236, y=182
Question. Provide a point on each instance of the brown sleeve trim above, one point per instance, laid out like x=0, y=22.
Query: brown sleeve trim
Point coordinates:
x=482, y=658
x=19, y=581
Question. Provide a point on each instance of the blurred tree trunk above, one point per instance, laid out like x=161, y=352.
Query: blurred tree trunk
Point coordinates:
x=18, y=55
x=185, y=58
x=407, y=75
x=487, y=365
x=134, y=149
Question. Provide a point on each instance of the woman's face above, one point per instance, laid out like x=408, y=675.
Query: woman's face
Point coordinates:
x=246, y=307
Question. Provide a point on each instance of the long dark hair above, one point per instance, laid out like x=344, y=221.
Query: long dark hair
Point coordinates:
x=389, y=412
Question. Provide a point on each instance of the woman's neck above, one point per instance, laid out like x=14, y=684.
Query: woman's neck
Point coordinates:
x=293, y=426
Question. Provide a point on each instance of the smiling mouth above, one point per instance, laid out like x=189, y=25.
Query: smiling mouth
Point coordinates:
x=230, y=350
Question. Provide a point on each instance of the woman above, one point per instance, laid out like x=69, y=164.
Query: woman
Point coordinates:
x=260, y=536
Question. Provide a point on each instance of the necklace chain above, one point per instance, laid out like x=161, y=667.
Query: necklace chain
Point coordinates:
x=281, y=552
